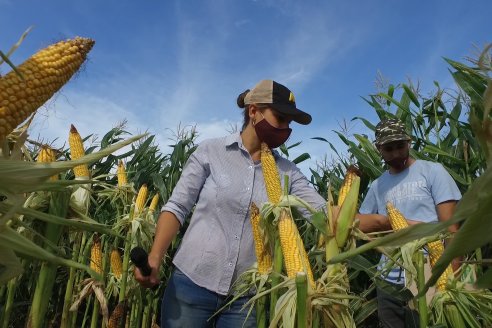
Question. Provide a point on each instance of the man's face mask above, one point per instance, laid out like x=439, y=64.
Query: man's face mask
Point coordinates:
x=271, y=135
x=399, y=161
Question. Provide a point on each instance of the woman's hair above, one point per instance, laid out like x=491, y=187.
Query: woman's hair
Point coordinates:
x=241, y=104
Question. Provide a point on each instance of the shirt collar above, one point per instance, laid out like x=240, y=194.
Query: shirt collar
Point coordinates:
x=234, y=138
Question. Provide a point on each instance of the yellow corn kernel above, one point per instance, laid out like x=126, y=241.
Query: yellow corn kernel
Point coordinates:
x=295, y=256
x=270, y=174
x=154, y=203
x=96, y=255
x=47, y=155
x=121, y=173
x=141, y=198
x=396, y=219
x=263, y=255
x=76, y=152
x=350, y=175
x=115, y=262
x=43, y=74
x=436, y=248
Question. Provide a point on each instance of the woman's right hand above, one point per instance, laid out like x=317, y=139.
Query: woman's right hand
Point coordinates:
x=152, y=280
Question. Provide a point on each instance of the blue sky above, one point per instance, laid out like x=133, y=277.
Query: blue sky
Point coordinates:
x=162, y=64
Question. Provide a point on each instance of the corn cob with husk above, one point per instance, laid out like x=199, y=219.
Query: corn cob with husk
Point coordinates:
x=76, y=152
x=117, y=316
x=121, y=174
x=96, y=255
x=270, y=174
x=436, y=248
x=350, y=176
x=40, y=77
x=47, y=155
x=295, y=256
x=348, y=207
x=273, y=189
x=141, y=198
x=115, y=263
x=263, y=255
x=153, y=203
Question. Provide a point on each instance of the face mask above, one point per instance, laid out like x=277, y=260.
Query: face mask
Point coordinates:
x=397, y=163
x=271, y=135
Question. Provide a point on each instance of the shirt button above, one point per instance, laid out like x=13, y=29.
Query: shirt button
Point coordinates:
x=250, y=167
x=247, y=188
x=230, y=263
x=236, y=236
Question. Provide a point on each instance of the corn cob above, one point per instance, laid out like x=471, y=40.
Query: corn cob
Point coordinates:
x=96, y=255
x=350, y=175
x=141, y=198
x=270, y=174
x=116, y=264
x=42, y=75
x=154, y=203
x=76, y=152
x=295, y=256
x=396, y=219
x=47, y=155
x=117, y=315
x=122, y=178
x=436, y=249
x=263, y=255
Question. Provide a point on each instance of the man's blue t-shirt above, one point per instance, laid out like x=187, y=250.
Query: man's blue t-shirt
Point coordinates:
x=415, y=192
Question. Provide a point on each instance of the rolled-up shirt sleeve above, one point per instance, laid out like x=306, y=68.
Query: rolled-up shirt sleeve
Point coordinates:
x=185, y=194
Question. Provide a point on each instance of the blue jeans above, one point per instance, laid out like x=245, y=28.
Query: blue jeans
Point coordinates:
x=187, y=305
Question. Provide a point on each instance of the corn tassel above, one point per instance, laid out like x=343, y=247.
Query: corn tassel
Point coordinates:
x=43, y=75
x=295, y=256
x=350, y=175
x=263, y=255
x=154, y=203
x=121, y=173
x=141, y=198
x=47, y=155
x=96, y=255
x=76, y=152
x=270, y=174
x=115, y=263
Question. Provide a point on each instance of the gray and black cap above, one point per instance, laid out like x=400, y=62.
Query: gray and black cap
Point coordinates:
x=279, y=98
x=390, y=130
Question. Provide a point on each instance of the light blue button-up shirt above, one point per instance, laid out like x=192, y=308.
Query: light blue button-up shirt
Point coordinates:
x=221, y=180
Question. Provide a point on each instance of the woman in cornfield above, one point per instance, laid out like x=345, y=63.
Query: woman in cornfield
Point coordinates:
x=219, y=182
x=423, y=191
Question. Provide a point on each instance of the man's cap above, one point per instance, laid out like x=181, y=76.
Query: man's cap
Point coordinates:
x=390, y=130
x=279, y=97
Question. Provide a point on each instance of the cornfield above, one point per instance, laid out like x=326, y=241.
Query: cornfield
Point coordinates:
x=70, y=216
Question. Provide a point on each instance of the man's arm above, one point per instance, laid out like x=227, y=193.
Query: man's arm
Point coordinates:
x=445, y=211
x=373, y=222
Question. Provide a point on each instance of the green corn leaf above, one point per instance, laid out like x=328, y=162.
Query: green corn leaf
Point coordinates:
x=411, y=95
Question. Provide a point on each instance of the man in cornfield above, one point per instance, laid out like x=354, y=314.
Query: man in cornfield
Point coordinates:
x=422, y=191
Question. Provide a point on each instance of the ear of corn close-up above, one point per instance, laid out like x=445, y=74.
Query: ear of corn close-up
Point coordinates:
x=38, y=79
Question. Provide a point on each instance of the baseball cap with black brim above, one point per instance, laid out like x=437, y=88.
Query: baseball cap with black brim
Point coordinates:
x=279, y=98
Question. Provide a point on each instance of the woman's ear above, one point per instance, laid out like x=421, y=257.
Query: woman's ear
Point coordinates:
x=252, y=109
